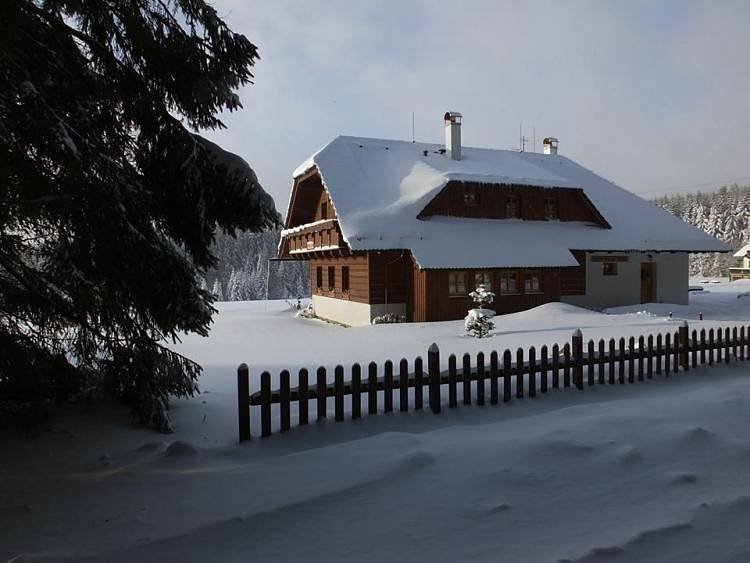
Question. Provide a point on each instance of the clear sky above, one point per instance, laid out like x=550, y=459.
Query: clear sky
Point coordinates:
x=652, y=95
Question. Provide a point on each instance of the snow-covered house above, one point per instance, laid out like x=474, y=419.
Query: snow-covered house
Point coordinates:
x=411, y=228
x=743, y=272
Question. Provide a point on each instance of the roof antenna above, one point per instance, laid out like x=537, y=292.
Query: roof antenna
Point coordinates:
x=412, y=127
x=521, y=139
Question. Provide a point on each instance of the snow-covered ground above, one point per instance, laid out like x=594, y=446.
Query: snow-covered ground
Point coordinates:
x=656, y=471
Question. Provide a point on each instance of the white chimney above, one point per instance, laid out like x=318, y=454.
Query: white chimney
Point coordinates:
x=550, y=145
x=453, y=134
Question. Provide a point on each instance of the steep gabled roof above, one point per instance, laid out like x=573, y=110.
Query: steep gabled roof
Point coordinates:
x=378, y=187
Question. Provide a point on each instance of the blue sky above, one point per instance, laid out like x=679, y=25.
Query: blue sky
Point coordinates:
x=652, y=95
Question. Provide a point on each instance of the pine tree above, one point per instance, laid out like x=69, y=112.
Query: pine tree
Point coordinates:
x=216, y=291
x=724, y=214
x=478, y=322
x=110, y=200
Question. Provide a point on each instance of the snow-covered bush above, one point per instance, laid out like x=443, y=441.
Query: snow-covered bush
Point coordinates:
x=388, y=318
x=306, y=313
x=478, y=322
x=294, y=305
x=482, y=297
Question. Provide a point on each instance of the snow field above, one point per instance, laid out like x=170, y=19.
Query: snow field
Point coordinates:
x=655, y=471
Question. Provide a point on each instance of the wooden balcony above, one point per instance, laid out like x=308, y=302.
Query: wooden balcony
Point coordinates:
x=307, y=240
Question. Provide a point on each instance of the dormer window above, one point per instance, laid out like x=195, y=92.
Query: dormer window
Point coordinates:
x=471, y=198
x=512, y=210
x=550, y=208
x=324, y=210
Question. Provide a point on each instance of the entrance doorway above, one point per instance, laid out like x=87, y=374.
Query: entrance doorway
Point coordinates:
x=648, y=282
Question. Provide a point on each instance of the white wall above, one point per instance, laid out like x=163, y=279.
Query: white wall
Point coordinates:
x=352, y=313
x=671, y=272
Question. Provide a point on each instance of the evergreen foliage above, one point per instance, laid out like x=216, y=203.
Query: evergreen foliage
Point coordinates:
x=243, y=268
x=724, y=214
x=478, y=322
x=110, y=200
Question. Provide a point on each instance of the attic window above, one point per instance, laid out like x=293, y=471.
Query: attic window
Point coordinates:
x=511, y=207
x=471, y=198
x=324, y=210
x=550, y=208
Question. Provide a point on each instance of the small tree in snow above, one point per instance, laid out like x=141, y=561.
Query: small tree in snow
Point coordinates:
x=478, y=322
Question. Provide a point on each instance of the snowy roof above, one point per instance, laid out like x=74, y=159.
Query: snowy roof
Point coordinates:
x=742, y=252
x=378, y=187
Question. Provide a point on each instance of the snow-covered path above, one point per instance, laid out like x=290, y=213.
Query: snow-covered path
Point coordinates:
x=653, y=471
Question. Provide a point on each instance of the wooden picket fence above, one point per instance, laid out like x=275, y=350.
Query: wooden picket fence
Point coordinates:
x=572, y=366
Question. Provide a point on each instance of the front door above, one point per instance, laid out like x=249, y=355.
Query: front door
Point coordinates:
x=648, y=282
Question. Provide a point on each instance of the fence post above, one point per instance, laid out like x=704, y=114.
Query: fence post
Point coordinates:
x=372, y=388
x=631, y=359
x=265, y=404
x=555, y=366
x=418, y=394
x=356, y=391
x=467, y=378
x=452, y=390
x=480, y=378
x=403, y=385
x=433, y=369
x=507, y=362
x=285, y=407
x=577, y=346
x=388, y=386
x=338, y=374
x=321, y=392
x=243, y=401
x=302, y=396
x=684, y=346
x=494, y=369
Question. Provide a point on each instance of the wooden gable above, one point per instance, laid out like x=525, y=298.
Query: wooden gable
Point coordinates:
x=312, y=217
x=310, y=201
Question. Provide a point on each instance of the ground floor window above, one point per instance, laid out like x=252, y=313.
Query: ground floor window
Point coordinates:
x=457, y=283
x=344, y=278
x=483, y=278
x=508, y=282
x=331, y=278
x=319, y=277
x=609, y=268
x=532, y=282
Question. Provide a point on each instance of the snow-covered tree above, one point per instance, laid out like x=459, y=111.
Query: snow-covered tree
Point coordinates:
x=478, y=321
x=249, y=253
x=217, y=292
x=724, y=214
x=110, y=200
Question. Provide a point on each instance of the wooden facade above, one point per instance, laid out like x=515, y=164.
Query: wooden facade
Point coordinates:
x=432, y=299
x=392, y=276
x=375, y=277
x=493, y=201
